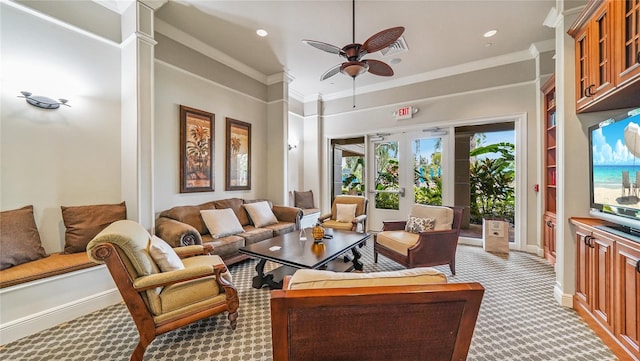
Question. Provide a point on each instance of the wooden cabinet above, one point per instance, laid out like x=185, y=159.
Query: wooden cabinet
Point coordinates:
x=607, y=57
x=608, y=286
x=628, y=65
x=550, y=238
x=549, y=156
x=594, y=275
x=627, y=325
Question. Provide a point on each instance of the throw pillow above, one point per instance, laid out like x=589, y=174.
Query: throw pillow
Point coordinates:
x=303, y=200
x=85, y=222
x=417, y=224
x=163, y=255
x=221, y=222
x=261, y=214
x=19, y=238
x=345, y=212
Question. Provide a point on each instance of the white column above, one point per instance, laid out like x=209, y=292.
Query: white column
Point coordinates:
x=313, y=163
x=137, y=102
x=277, y=136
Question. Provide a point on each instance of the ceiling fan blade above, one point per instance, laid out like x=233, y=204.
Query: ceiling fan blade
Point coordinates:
x=331, y=72
x=381, y=40
x=376, y=67
x=324, y=46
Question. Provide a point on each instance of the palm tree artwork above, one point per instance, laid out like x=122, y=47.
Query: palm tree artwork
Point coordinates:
x=198, y=154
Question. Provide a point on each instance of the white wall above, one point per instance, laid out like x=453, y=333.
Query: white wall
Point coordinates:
x=69, y=156
x=295, y=157
x=174, y=87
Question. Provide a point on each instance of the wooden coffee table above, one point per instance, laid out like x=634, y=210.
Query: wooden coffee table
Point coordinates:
x=293, y=254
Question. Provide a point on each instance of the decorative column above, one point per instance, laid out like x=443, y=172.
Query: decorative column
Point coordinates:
x=137, y=102
x=312, y=139
x=277, y=135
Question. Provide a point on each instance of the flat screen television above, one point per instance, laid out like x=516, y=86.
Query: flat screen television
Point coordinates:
x=614, y=162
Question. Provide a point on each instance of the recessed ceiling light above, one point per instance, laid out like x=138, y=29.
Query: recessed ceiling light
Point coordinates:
x=262, y=32
x=395, y=61
x=488, y=45
x=490, y=33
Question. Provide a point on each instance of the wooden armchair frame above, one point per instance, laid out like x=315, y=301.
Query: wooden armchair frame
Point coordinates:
x=142, y=316
x=361, y=212
x=433, y=248
x=426, y=322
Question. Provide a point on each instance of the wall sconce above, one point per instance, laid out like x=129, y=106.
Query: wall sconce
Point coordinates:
x=42, y=101
x=293, y=146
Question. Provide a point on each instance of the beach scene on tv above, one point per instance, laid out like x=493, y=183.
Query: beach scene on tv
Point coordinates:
x=616, y=163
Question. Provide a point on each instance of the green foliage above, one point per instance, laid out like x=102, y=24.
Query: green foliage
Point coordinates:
x=352, y=184
x=491, y=181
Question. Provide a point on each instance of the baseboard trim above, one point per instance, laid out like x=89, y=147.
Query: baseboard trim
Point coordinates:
x=37, y=322
x=563, y=299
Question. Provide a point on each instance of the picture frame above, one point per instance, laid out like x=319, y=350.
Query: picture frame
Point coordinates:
x=238, y=159
x=196, y=150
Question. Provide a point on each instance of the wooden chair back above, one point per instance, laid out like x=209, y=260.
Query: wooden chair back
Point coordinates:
x=430, y=322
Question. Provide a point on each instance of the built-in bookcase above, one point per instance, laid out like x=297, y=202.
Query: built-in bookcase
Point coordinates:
x=549, y=183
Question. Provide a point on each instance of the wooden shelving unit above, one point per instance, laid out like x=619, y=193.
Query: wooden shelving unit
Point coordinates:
x=549, y=182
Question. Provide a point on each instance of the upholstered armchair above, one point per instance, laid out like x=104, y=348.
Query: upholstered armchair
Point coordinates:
x=430, y=238
x=348, y=213
x=164, y=288
x=404, y=315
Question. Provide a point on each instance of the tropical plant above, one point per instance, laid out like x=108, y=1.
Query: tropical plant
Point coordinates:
x=352, y=184
x=491, y=179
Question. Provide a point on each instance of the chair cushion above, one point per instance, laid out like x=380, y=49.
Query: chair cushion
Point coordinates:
x=417, y=225
x=261, y=214
x=398, y=241
x=345, y=212
x=303, y=200
x=311, y=279
x=133, y=240
x=85, y=222
x=19, y=238
x=221, y=222
x=163, y=254
x=346, y=226
x=442, y=215
x=359, y=201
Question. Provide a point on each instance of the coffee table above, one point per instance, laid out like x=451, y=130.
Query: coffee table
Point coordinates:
x=293, y=254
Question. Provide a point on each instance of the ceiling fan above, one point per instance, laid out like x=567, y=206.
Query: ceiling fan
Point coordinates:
x=354, y=52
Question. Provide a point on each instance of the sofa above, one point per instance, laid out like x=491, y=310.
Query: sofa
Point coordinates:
x=184, y=226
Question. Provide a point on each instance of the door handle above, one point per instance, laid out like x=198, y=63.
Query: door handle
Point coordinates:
x=587, y=92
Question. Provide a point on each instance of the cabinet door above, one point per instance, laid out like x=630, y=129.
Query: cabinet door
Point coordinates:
x=583, y=61
x=628, y=43
x=583, y=268
x=550, y=239
x=603, y=257
x=627, y=329
x=601, y=76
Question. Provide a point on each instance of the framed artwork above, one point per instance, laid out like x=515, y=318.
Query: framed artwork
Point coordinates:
x=238, y=161
x=196, y=150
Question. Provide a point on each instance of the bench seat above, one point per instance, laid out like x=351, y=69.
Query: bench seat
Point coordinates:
x=52, y=265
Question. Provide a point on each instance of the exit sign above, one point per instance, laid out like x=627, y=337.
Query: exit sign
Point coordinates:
x=404, y=113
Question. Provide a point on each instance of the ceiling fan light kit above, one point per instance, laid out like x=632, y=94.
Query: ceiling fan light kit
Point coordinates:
x=354, y=52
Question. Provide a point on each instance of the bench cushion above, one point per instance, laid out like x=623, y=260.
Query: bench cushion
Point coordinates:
x=52, y=265
x=309, y=278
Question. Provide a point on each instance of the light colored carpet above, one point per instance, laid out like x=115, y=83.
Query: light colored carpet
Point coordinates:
x=519, y=320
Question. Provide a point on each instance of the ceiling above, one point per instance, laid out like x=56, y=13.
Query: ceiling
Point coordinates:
x=442, y=36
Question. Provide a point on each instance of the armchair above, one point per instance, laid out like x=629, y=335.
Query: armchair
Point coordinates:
x=343, y=217
x=163, y=301
x=434, y=320
x=423, y=249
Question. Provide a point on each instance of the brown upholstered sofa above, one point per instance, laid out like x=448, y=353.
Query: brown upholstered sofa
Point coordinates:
x=183, y=226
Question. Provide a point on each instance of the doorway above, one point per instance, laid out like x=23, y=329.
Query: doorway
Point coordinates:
x=348, y=166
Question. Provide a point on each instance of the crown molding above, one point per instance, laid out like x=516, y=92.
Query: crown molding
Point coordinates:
x=187, y=40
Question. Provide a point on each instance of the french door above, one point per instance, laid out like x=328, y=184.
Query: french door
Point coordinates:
x=404, y=168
